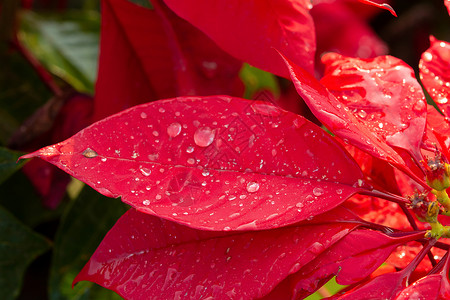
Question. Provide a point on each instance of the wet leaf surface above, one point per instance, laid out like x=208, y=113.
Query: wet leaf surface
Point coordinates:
x=341, y=259
x=434, y=73
x=432, y=287
x=19, y=246
x=146, y=255
x=241, y=27
x=341, y=121
x=383, y=94
x=214, y=162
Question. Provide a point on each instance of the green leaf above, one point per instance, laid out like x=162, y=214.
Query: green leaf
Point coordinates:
x=256, y=80
x=20, y=199
x=19, y=246
x=21, y=93
x=65, y=43
x=83, y=226
x=8, y=163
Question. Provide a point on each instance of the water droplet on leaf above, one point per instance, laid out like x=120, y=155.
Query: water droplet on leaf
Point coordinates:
x=317, y=191
x=204, y=136
x=252, y=187
x=145, y=171
x=89, y=153
x=174, y=129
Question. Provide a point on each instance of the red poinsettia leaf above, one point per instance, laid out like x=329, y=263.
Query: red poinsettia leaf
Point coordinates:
x=435, y=73
x=146, y=255
x=355, y=37
x=212, y=162
x=381, y=173
x=380, y=5
x=152, y=54
x=447, y=4
x=366, y=249
x=340, y=120
x=384, y=94
x=438, y=131
x=249, y=30
x=432, y=287
x=59, y=119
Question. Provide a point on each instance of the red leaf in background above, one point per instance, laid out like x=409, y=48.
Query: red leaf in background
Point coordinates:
x=363, y=248
x=59, y=119
x=145, y=255
x=49, y=182
x=212, y=162
x=380, y=5
x=435, y=73
x=379, y=172
x=382, y=93
x=432, y=287
x=447, y=4
x=249, y=30
x=153, y=54
x=355, y=38
x=378, y=211
x=341, y=121
x=363, y=10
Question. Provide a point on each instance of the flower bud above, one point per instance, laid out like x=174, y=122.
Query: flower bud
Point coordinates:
x=437, y=173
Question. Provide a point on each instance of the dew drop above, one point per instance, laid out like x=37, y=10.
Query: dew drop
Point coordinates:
x=145, y=171
x=300, y=204
x=174, y=129
x=442, y=100
x=205, y=173
x=317, y=191
x=89, y=153
x=204, y=136
x=339, y=191
x=427, y=56
x=419, y=106
x=146, y=202
x=252, y=187
x=362, y=114
x=191, y=161
x=155, y=133
x=143, y=115
x=190, y=149
x=161, y=110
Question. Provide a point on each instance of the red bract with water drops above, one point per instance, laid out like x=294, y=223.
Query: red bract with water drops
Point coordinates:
x=227, y=163
x=435, y=73
x=145, y=255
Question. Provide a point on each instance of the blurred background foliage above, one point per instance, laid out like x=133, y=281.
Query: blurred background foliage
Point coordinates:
x=43, y=248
